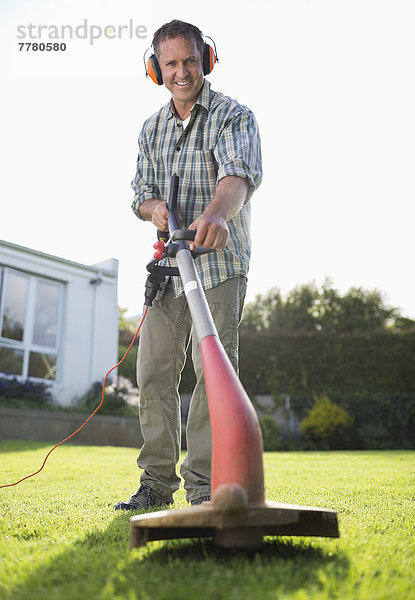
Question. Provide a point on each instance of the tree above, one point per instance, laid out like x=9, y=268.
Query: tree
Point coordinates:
x=272, y=313
x=257, y=314
x=358, y=310
x=308, y=309
x=127, y=328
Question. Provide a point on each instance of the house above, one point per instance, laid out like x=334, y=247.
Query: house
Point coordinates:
x=58, y=320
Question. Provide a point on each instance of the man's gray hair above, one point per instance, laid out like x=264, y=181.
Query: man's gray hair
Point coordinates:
x=176, y=29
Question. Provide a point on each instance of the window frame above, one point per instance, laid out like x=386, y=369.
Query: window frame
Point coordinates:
x=26, y=345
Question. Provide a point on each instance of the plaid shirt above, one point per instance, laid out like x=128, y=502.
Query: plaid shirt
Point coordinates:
x=221, y=139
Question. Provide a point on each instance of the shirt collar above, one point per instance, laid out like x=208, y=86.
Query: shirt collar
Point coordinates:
x=204, y=96
x=202, y=100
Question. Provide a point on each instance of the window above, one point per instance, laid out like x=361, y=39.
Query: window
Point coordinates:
x=30, y=310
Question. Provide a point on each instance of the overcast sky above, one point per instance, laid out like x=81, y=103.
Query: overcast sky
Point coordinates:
x=330, y=82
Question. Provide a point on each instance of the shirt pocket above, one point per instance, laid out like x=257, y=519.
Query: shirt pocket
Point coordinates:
x=204, y=168
x=202, y=172
x=197, y=183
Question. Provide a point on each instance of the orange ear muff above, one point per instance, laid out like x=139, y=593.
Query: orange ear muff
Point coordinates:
x=209, y=59
x=153, y=70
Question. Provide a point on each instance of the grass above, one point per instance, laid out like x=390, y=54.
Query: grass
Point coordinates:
x=60, y=538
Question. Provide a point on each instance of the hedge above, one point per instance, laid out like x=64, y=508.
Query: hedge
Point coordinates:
x=371, y=376
x=382, y=361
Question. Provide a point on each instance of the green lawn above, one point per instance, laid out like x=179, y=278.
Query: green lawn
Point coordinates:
x=60, y=538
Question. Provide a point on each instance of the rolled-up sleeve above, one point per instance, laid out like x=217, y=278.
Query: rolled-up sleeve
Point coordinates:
x=144, y=183
x=238, y=150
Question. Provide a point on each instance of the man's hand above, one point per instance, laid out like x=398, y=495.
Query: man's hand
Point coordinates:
x=160, y=216
x=211, y=227
x=211, y=231
x=156, y=211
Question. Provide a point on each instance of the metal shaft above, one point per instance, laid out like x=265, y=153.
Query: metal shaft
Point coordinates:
x=196, y=299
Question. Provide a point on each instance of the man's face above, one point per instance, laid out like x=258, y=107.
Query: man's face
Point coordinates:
x=181, y=68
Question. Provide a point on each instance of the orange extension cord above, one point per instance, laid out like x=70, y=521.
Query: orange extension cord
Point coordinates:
x=90, y=416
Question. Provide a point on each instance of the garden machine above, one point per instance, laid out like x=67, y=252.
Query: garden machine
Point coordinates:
x=238, y=516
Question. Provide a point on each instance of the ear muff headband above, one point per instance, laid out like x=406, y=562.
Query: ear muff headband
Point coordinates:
x=152, y=66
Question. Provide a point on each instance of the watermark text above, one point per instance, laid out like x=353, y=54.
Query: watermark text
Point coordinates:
x=83, y=31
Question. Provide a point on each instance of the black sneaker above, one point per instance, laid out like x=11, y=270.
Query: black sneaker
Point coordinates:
x=145, y=497
x=200, y=500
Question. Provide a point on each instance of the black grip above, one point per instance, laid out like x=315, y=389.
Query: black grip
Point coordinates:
x=184, y=234
x=173, y=220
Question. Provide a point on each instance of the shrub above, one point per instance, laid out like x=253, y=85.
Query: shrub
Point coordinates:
x=26, y=394
x=270, y=434
x=127, y=368
x=115, y=401
x=326, y=424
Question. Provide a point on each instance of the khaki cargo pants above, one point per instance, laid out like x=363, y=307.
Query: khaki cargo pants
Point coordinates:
x=164, y=339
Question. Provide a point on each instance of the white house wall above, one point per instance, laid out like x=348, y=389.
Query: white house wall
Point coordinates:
x=89, y=320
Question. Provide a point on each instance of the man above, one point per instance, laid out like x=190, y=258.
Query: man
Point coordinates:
x=213, y=145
